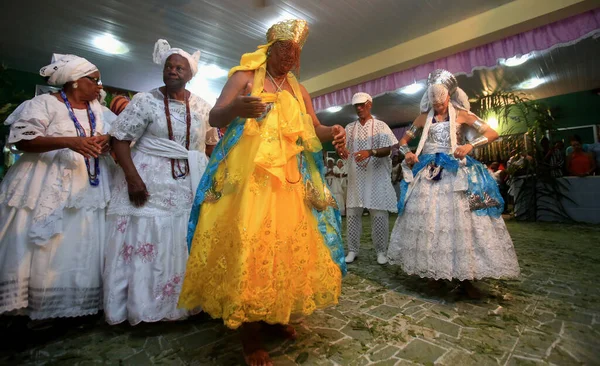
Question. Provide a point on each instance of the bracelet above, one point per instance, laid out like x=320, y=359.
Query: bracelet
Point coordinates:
x=480, y=141
x=412, y=131
x=374, y=152
x=480, y=126
x=404, y=149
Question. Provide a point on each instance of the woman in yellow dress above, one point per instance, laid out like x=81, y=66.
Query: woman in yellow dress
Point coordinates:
x=265, y=230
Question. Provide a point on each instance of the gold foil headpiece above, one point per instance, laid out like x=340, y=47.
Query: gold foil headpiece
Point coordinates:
x=445, y=78
x=295, y=30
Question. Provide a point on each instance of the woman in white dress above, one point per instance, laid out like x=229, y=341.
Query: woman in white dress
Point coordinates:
x=449, y=222
x=53, y=200
x=338, y=188
x=153, y=193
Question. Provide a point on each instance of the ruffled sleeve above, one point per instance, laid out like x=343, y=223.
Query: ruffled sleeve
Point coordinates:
x=133, y=121
x=30, y=120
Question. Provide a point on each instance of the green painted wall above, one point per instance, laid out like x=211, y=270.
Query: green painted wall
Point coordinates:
x=569, y=110
x=20, y=81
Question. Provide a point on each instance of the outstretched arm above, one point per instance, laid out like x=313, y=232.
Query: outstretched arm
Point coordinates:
x=234, y=101
x=335, y=133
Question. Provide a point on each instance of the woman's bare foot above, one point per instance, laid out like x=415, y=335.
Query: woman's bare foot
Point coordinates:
x=472, y=291
x=254, y=352
x=284, y=331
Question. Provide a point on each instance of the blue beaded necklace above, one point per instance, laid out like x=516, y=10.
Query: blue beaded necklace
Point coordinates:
x=93, y=177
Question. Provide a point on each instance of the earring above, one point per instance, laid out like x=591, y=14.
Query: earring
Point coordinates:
x=75, y=85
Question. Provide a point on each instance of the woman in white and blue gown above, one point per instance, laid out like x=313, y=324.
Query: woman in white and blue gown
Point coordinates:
x=449, y=222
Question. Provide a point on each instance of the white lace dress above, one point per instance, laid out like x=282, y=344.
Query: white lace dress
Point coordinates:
x=337, y=189
x=438, y=236
x=52, y=221
x=146, y=253
x=369, y=183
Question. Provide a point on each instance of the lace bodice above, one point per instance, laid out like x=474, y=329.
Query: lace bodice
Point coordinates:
x=144, y=118
x=438, y=139
x=49, y=182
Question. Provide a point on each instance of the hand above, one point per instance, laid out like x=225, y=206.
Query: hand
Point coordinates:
x=103, y=141
x=411, y=159
x=362, y=155
x=339, y=140
x=138, y=194
x=463, y=151
x=245, y=106
x=86, y=146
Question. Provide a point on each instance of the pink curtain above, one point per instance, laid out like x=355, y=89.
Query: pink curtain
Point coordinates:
x=563, y=32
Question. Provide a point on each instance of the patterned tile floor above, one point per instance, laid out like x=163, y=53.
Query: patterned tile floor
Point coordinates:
x=549, y=316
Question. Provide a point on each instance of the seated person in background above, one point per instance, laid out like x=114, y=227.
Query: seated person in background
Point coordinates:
x=579, y=162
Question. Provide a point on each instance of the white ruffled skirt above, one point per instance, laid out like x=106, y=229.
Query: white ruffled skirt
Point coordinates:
x=439, y=237
x=59, y=277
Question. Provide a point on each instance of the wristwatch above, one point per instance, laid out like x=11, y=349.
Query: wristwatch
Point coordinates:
x=374, y=152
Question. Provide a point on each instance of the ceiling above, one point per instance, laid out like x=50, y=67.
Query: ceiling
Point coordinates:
x=341, y=31
x=564, y=70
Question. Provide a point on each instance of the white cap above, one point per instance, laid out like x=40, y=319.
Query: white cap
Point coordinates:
x=359, y=98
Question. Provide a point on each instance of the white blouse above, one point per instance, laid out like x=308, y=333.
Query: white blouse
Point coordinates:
x=46, y=183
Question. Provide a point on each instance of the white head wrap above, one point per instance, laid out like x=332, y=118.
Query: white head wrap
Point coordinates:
x=66, y=68
x=162, y=51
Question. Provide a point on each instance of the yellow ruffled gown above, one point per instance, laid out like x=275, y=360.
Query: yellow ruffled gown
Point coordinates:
x=257, y=253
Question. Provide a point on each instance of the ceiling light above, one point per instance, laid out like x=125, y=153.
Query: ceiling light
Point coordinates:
x=109, y=44
x=515, y=60
x=411, y=89
x=334, y=109
x=212, y=71
x=531, y=83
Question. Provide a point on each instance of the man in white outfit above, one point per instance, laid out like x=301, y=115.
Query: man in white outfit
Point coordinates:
x=369, y=142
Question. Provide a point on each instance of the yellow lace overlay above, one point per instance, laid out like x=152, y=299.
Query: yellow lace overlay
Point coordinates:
x=257, y=254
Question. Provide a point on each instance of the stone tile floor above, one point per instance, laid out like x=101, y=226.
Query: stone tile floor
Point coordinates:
x=551, y=315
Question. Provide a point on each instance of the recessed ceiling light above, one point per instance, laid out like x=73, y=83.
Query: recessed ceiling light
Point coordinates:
x=212, y=71
x=515, y=60
x=109, y=44
x=531, y=83
x=411, y=89
x=334, y=109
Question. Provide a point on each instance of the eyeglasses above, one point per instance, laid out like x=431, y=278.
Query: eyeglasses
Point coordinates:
x=96, y=81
